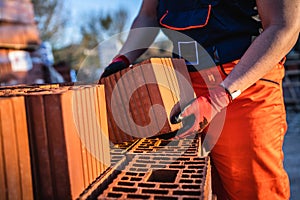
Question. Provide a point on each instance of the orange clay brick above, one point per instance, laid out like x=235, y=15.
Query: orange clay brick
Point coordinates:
x=155, y=82
x=17, y=12
x=19, y=36
x=15, y=170
x=73, y=137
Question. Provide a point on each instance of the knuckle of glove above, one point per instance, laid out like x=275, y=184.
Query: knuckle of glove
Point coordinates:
x=113, y=68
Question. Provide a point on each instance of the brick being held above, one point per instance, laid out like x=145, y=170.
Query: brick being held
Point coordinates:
x=155, y=82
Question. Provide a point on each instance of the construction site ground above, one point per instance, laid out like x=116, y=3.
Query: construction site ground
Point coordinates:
x=291, y=149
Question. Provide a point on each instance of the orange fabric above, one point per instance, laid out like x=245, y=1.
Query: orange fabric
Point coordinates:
x=248, y=157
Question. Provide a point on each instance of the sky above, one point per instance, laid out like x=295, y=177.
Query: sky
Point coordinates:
x=106, y=5
x=79, y=8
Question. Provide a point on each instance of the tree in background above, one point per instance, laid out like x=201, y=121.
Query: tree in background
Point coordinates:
x=51, y=19
x=97, y=27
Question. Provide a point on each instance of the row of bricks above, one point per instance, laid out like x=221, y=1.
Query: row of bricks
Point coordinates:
x=135, y=91
x=166, y=149
x=17, y=11
x=133, y=186
x=119, y=151
x=66, y=129
x=19, y=36
x=157, y=176
x=187, y=178
x=190, y=144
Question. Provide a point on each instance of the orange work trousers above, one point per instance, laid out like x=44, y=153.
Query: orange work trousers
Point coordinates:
x=247, y=158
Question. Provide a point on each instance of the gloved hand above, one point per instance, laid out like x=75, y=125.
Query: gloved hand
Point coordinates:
x=118, y=63
x=196, y=116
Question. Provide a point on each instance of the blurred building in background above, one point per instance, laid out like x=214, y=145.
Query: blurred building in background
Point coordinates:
x=24, y=59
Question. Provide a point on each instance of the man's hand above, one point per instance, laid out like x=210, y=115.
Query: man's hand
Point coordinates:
x=118, y=63
x=196, y=116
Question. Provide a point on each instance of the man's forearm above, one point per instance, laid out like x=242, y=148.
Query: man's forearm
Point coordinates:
x=141, y=36
x=281, y=23
x=263, y=54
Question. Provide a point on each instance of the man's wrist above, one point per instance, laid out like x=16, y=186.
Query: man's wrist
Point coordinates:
x=231, y=95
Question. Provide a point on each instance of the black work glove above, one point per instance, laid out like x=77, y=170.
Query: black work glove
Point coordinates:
x=117, y=64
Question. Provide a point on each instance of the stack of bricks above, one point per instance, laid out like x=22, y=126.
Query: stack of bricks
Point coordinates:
x=156, y=169
x=18, y=28
x=134, y=94
x=66, y=130
x=18, y=37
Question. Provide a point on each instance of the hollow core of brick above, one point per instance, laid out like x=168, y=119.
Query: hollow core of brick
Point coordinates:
x=163, y=175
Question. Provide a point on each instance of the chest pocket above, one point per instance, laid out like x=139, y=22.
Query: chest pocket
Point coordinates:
x=195, y=16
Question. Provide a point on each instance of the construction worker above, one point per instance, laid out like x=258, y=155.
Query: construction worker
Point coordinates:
x=248, y=41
